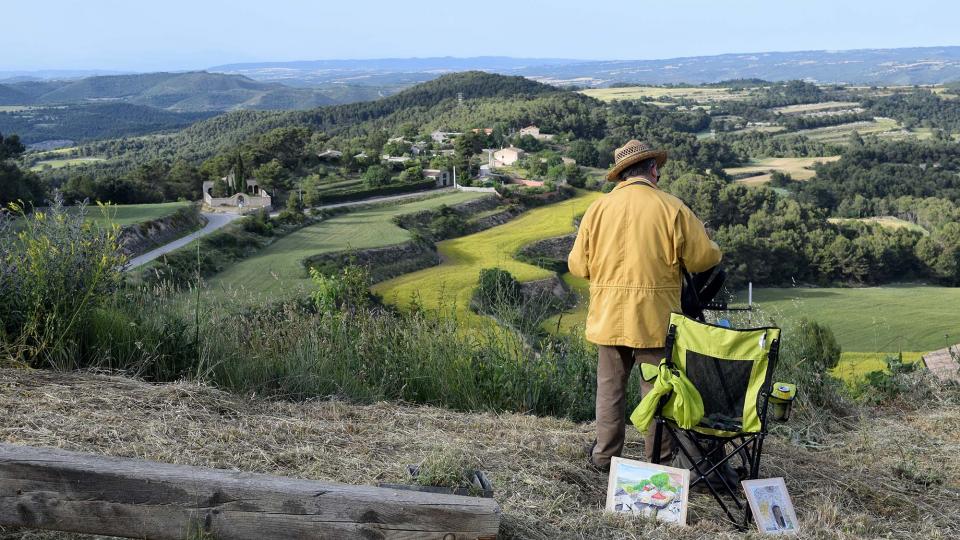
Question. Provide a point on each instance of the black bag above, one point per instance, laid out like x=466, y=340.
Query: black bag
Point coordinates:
x=699, y=290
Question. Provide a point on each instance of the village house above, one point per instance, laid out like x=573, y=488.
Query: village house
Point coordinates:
x=534, y=132
x=485, y=131
x=443, y=136
x=507, y=156
x=255, y=197
x=395, y=159
x=442, y=178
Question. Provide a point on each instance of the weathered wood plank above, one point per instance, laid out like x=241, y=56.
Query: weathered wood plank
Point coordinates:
x=71, y=491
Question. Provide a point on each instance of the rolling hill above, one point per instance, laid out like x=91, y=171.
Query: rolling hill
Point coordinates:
x=180, y=92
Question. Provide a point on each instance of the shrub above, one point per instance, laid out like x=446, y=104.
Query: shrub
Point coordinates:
x=55, y=269
x=496, y=289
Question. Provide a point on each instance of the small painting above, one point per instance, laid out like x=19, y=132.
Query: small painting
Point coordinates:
x=771, y=506
x=646, y=489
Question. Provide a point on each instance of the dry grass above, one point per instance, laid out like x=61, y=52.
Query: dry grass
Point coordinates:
x=894, y=476
x=759, y=171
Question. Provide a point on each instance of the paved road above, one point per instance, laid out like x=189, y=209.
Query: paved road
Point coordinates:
x=217, y=221
x=214, y=222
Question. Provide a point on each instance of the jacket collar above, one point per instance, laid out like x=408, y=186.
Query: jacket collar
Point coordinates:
x=634, y=180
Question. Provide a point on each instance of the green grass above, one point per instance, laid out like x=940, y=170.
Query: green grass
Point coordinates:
x=66, y=162
x=128, y=214
x=872, y=319
x=278, y=270
x=454, y=280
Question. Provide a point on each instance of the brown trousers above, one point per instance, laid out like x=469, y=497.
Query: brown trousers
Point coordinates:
x=613, y=372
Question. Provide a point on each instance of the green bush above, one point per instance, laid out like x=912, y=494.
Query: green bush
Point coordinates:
x=56, y=268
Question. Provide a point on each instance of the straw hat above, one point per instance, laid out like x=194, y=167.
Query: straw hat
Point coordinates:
x=634, y=152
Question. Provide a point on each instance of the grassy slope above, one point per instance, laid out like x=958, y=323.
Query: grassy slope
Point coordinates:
x=455, y=279
x=128, y=214
x=278, y=268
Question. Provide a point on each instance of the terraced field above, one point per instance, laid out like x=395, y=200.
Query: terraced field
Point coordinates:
x=453, y=281
x=128, y=214
x=758, y=171
x=277, y=269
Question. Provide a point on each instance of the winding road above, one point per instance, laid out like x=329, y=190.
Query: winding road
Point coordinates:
x=217, y=221
x=214, y=222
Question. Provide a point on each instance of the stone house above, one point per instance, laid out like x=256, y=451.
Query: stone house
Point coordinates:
x=254, y=198
x=507, y=156
x=534, y=132
x=441, y=178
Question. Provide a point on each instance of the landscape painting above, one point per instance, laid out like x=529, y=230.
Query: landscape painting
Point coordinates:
x=645, y=489
x=771, y=506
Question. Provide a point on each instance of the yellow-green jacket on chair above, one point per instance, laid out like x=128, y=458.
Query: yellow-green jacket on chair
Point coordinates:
x=630, y=246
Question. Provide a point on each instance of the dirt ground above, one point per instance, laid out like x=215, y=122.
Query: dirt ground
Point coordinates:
x=887, y=474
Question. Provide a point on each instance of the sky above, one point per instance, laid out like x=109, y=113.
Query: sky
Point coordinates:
x=143, y=35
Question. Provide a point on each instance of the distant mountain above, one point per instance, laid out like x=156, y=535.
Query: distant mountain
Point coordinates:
x=179, y=92
x=389, y=72
x=88, y=121
x=921, y=65
x=926, y=65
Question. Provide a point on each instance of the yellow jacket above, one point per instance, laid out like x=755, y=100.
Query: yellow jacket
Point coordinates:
x=630, y=246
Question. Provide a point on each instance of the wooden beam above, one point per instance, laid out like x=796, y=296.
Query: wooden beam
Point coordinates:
x=86, y=493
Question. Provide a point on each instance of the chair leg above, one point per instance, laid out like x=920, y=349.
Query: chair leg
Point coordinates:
x=703, y=475
x=658, y=440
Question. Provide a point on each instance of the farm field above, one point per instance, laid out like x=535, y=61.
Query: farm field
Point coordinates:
x=815, y=107
x=872, y=319
x=277, y=269
x=797, y=168
x=453, y=280
x=889, y=222
x=694, y=93
x=886, y=127
x=128, y=214
x=65, y=162
x=869, y=323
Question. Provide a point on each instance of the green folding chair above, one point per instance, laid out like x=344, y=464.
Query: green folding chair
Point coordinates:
x=732, y=371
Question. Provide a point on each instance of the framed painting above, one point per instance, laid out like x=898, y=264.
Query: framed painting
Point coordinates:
x=654, y=491
x=771, y=506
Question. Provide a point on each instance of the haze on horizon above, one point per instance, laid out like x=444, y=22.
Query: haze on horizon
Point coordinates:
x=185, y=35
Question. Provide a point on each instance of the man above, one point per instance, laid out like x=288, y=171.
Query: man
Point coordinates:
x=631, y=246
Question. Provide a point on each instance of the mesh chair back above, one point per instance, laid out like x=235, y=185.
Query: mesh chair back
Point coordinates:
x=729, y=367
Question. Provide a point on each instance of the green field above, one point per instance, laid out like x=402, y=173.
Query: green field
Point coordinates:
x=463, y=258
x=872, y=319
x=278, y=270
x=128, y=214
x=65, y=162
